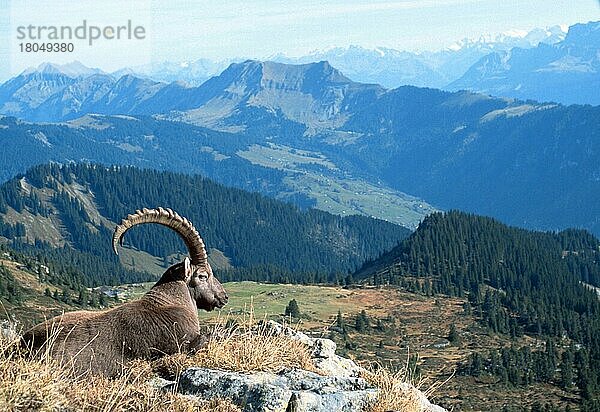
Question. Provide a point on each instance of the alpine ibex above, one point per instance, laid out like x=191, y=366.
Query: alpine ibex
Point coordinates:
x=163, y=321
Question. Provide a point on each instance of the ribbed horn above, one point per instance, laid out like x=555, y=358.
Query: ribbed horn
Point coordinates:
x=170, y=219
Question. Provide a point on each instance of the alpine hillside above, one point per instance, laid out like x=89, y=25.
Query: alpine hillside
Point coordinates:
x=541, y=286
x=70, y=211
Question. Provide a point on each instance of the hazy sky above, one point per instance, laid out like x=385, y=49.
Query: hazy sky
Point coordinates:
x=180, y=30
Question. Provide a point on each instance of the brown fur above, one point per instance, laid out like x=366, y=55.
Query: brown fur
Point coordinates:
x=163, y=321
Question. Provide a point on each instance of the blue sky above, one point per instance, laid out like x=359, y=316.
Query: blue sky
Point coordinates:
x=180, y=30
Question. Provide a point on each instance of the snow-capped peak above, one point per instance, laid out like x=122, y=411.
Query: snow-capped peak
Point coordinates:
x=380, y=51
x=73, y=69
x=513, y=38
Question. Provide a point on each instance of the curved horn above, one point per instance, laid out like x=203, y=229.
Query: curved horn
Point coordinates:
x=170, y=219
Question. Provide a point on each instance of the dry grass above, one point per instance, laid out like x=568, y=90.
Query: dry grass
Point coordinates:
x=250, y=346
x=395, y=394
x=29, y=383
x=399, y=390
x=39, y=384
x=241, y=346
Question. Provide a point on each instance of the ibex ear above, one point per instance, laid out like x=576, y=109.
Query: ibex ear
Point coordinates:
x=187, y=269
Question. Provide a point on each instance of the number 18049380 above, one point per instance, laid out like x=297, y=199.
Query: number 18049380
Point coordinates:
x=46, y=47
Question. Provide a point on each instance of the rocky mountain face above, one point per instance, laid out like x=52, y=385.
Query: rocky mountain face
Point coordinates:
x=567, y=72
x=314, y=95
x=249, y=94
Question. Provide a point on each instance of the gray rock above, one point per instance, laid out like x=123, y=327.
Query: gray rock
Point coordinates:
x=323, y=348
x=290, y=390
x=426, y=406
x=327, y=362
x=257, y=392
x=323, y=351
x=336, y=388
x=337, y=366
x=277, y=329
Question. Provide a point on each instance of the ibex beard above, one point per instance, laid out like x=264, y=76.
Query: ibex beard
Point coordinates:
x=162, y=322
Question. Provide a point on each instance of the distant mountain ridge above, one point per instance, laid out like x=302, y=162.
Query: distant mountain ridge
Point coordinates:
x=309, y=94
x=387, y=67
x=381, y=65
x=313, y=95
x=392, y=68
x=566, y=72
x=58, y=93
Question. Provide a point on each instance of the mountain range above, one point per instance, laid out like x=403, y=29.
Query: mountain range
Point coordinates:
x=548, y=64
x=310, y=95
x=308, y=134
x=567, y=71
x=381, y=65
x=557, y=69
x=82, y=148
x=392, y=68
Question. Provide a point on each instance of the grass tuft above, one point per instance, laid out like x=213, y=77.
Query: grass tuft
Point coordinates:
x=243, y=346
x=395, y=393
x=250, y=346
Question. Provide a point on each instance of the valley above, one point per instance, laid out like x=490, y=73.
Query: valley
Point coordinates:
x=245, y=162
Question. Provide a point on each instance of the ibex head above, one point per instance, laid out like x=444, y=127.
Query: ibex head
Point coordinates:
x=205, y=289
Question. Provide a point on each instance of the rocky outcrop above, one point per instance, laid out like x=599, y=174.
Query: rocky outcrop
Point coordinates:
x=335, y=385
x=324, y=358
x=290, y=390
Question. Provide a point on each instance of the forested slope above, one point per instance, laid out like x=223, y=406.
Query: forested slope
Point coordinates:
x=518, y=282
x=75, y=207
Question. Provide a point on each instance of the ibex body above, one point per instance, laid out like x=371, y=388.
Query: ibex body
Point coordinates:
x=163, y=321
